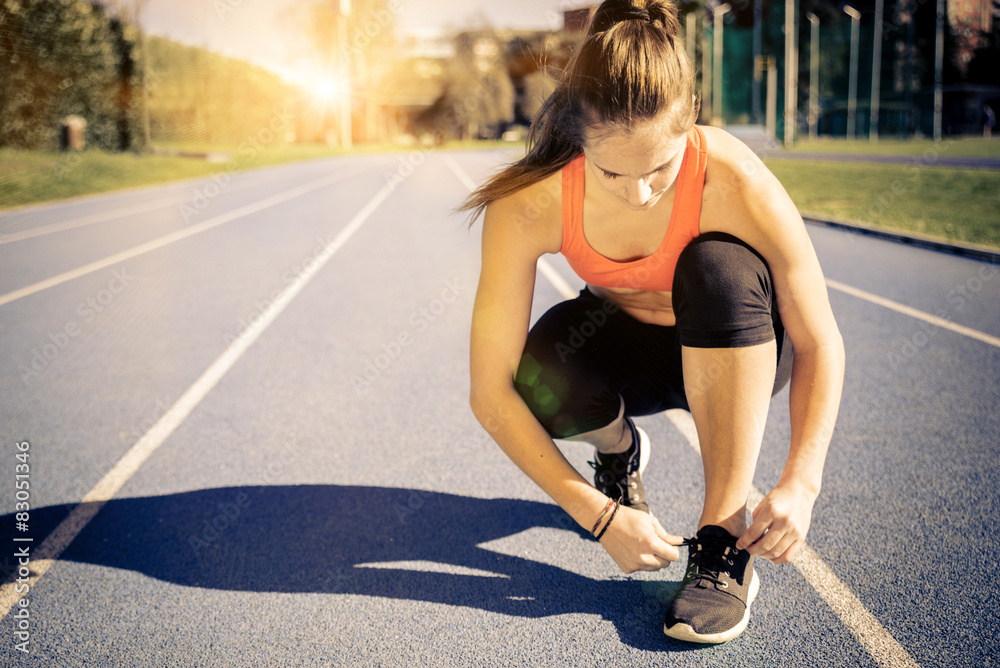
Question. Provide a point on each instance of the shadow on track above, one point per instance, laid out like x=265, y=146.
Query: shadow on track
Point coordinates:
x=314, y=539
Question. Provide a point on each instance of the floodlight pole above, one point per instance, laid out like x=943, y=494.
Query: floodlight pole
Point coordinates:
x=791, y=74
x=813, y=74
x=938, y=66
x=689, y=37
x=852, y=92
x=719, y=12
x=343, y=11
x=876, y=73
x=755, y=99
x=706, y=73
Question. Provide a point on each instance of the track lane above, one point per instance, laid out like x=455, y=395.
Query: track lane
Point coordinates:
x=288, y=421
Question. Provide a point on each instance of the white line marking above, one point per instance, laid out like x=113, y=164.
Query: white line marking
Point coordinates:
x=67, y=530
x=105, y=216
x=87, y=220
x=546, y=269
x=171, y=238
x=432, y=567
x=914, y=313
x=462, y=175
x=557, y=281
x=862, y=624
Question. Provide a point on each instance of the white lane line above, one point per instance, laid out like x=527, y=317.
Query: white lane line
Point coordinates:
x=171, y=238
x=460, y=173
x=105, y=216
x=86, y=220
x=546, y=269
x=49, y=551
x=557, y=281
x=914, y=313
x=863, y=625
x=872, y=636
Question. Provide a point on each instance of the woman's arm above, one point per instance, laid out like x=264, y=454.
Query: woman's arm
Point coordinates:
x=500, y=321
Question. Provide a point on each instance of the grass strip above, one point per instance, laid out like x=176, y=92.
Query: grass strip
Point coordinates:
x=957, y=147
x=952, y=204
x=29, y=177
x=960, y=205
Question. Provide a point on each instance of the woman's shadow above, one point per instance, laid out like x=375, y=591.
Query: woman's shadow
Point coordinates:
x=333, y=539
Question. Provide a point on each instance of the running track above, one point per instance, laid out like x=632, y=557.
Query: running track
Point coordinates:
x=249, y=444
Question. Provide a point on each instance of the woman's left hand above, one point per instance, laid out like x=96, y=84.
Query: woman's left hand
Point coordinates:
x=780, y=523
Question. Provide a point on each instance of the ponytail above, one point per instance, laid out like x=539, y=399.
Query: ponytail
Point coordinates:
x=626, y=70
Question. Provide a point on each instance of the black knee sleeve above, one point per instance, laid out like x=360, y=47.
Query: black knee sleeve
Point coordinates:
x=722, y=294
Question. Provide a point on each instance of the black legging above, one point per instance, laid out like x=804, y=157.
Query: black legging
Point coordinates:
x=586, y=355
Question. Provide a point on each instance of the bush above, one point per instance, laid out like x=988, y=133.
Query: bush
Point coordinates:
x=62, y=57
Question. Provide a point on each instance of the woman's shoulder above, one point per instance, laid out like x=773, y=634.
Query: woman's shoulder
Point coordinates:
x=534, y=210
x=742, y=196
x=727, y=153
x=734, y=170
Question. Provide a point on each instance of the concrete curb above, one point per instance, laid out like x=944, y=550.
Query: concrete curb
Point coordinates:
x=974, y=251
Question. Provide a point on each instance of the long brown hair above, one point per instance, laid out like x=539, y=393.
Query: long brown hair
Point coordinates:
x=628, y=69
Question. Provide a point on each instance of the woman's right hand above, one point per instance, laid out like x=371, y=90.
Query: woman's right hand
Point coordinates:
x=637, y=542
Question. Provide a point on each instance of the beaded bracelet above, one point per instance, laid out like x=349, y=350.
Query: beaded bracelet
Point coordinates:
x=603, y=513
x=613, y=513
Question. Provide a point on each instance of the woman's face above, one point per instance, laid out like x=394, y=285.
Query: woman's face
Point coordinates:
x=637, y=165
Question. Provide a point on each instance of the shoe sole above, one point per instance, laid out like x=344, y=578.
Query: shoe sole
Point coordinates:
x=644, y=448
x=688, y=634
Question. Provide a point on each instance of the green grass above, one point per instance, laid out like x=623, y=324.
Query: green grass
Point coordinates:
x=961, y=205
x=954, y=204
x=28, y=177
x=960, y=147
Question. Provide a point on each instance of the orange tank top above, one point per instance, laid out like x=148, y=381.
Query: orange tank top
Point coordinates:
x=653, y=272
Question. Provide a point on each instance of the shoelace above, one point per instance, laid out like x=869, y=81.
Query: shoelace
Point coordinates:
x=708, y=559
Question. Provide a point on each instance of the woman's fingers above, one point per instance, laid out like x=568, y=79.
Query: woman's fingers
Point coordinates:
x=667, y=550
x=637, y=541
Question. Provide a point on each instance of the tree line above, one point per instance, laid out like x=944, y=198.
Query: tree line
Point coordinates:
x=72, y=57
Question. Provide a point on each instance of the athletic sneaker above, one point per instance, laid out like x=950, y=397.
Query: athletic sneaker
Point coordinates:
x=619, y=476
x=713, y=603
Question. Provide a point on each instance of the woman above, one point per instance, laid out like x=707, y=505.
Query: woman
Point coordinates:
x=700, y=282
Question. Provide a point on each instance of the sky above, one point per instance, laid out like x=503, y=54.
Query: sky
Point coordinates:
x=263, y=31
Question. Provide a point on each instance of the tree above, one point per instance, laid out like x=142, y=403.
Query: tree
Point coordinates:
x=61, y=57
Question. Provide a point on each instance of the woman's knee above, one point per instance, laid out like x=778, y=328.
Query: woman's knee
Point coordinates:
x=723, y=295
x=560, y=375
